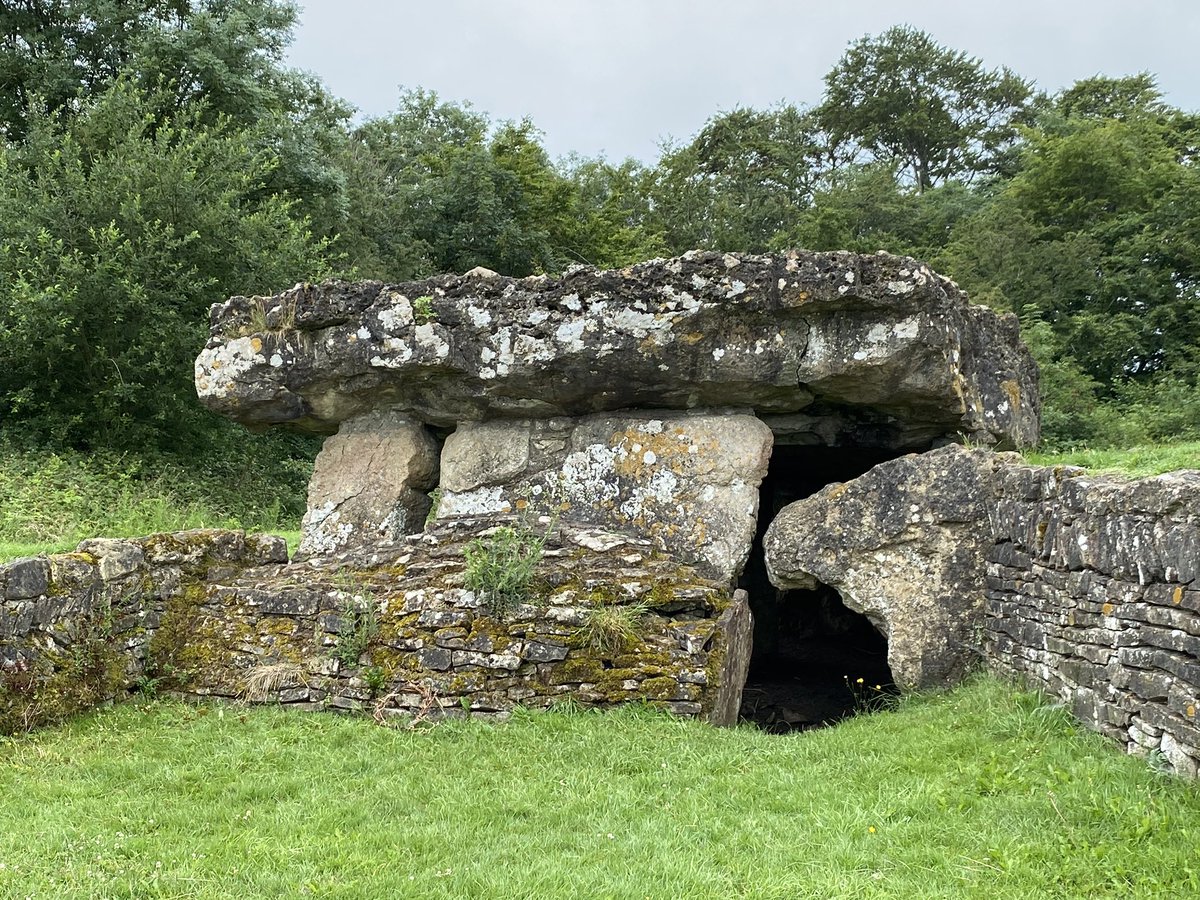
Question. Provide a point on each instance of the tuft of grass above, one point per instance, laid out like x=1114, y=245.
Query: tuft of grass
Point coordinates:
x=980, y=792
x=264, y=680
x=1133, y=462
x=610, y=628
x=279, y=320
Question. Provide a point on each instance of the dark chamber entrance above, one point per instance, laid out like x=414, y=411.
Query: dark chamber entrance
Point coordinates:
x=810, y=651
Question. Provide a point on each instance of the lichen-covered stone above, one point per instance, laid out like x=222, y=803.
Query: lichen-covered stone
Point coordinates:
x=688, y=482
x=1093, y=594
x=904, y=545
x=214, y=613
x=370, y=484
x=878, y=339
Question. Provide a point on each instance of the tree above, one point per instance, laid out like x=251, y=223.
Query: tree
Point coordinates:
x=1095, y=242
x=907, y=101
x=436, y=188
x=865, y=208
x=56, y=54
x=745, y=176
x=118, y=229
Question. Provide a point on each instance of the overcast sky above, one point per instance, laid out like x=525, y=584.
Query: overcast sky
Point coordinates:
x=616, y=77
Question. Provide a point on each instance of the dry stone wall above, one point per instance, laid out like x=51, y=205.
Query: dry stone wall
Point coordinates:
x=1093, y=594
x=1086, y=587
x=609, y=619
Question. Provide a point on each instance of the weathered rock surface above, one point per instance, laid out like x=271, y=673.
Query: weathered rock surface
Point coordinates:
x=687, y=482
x=221, y=614
x=370, y=484
x=880, y=339
x=903, y=544
x=1093, y=594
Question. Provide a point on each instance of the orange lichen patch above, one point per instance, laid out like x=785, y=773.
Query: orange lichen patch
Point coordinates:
x=1191, y=711
x=1107, y=609
x=256, y=344
x=1177, y=596
x=1013, y=391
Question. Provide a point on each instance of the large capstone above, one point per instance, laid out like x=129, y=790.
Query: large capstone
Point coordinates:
x=687, y=482
x=877, y=345
x=905, y=545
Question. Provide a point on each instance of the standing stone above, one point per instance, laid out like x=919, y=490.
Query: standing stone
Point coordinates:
x=369, y=484
x=687, y=482
x=904, y=544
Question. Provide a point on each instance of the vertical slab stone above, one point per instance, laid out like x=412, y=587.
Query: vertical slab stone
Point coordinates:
x=369, y=484
x=734, y=643
x=688, y=482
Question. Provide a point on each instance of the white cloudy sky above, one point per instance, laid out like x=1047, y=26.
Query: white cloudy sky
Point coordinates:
x=618, y=76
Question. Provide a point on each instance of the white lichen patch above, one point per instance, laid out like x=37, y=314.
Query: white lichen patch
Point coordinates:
x=481, y=501
x=480, y=318
x=218, y=368
x=397, y=316
x=428, y=338
x=569, y=334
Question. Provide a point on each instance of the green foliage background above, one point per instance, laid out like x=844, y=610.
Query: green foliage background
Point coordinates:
x=158, y=156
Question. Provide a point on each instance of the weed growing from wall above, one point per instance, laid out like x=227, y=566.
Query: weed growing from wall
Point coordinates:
x=500, y=566
x=423, y=310
x=360, y=626
x=609, y=628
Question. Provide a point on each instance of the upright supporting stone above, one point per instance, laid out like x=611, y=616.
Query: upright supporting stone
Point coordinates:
x=903, y=544
x=733, y=644
x=370, y=484
x=688, y=482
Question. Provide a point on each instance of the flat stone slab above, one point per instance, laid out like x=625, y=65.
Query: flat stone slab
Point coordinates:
x=879, y=338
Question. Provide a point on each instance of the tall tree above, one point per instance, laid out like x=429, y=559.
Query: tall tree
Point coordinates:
x=117, y=231
x=743, y=178
x=934, y=112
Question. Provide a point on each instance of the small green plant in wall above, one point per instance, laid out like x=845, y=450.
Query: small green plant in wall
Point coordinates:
x=359, y=627
x=423, y=310
x=501, y=565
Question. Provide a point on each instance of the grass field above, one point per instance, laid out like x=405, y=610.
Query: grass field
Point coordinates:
x=1134, y=462
x=49, y=502
x=982, y=792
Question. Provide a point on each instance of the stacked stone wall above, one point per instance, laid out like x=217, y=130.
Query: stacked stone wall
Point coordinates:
x=608, y=619
x=1093, y=595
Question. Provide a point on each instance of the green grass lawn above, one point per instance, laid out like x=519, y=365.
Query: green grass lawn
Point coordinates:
x=1135, y=462
x=49, y=502
x=982, y=792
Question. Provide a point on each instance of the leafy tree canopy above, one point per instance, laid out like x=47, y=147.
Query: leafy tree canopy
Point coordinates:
x=935, y=112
